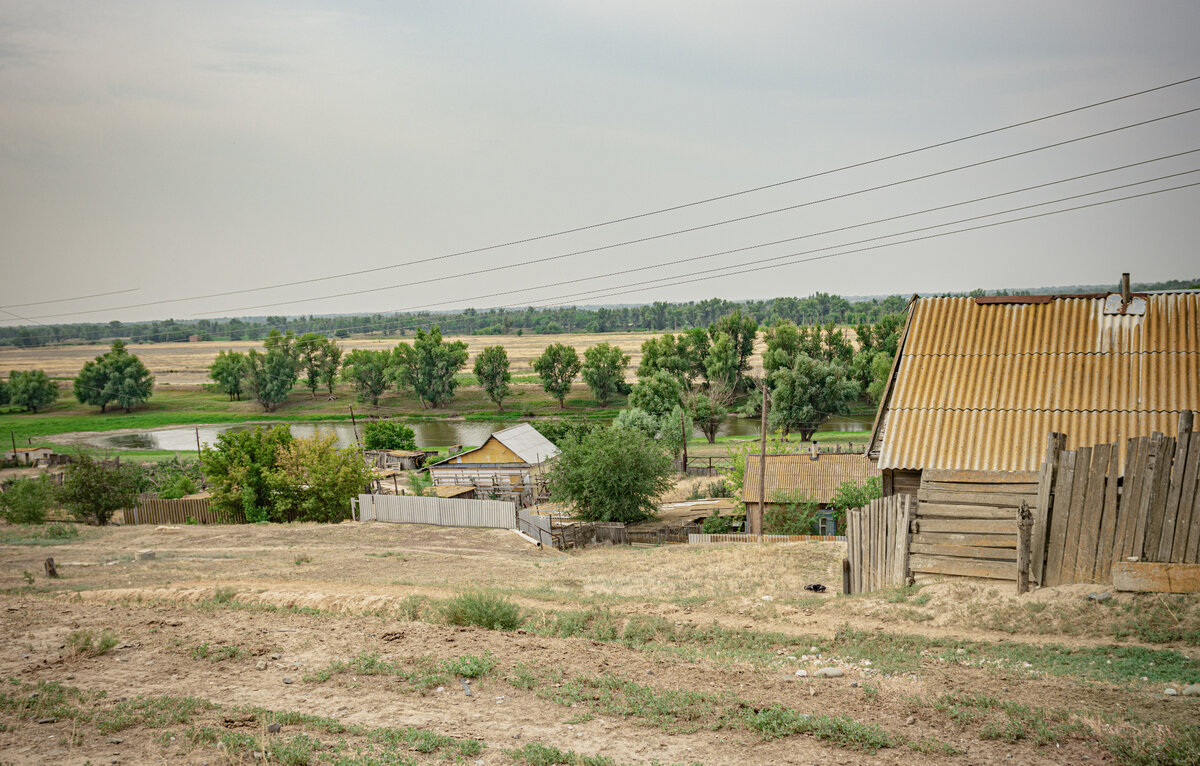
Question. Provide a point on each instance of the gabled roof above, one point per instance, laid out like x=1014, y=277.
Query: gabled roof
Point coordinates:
x=817, y=479
x=979, y=382
x=527, y=443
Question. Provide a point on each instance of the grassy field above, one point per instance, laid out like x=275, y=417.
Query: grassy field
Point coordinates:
x=397, y=644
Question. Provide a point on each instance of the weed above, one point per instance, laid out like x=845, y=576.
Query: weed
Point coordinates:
x=902, y=594
x=1176, y=746
x=223, y=595
x=470, y=666
x=522, y=677
x=201, y=651
x=59, y=531
x=537, y=754
x=487, y=610
x=303, y=558
x=28, y=576
x=82, y=643
x=413, y=608
x=151, y=712
x=838, y=730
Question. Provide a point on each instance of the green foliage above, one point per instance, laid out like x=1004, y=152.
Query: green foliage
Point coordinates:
x=179, y=485
x=612, y=474
x=715, y=524
x=658, y=394
x=314, y=480
x=26, y=500
x=319, y=359
x=228, y=371
x=783, y=345
x=491, y=370
x=805, y=393
x=562, y=430
x=270, y=375
x=741, y=330
x=557, y=367
x=604, y=370
x=83, y=643
x=430, y=366
x=791, y=513
x=636, y=419
x=238, y=470
x=388, y=434
x=708, y=411
x=31, y=389
x=93, y=490
x=674, y=429
x=851, y=494
x=487, y=610
x=114, y=377
x=1178, y=746
x=367, y=373
x=5, y=394
x=420, y=483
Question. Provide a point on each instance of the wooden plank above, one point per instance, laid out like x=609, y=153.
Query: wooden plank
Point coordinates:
x=980, y=477
x=1078, y=495
x=955, y=538
x=948, y=565
x=901, y=546
x=1171, y=514
x=1156, y=577
x=1105, y=545
x=1125, y=503
x=1145, y=494
x=1160, y=490
x=1093, y=511
x=1189, y=516
x=1055, y=442
x=966, y=551
x=1024, y=533
x=997, y=499
x=962, y=511
x=1060, y=514
x=1026, y=488
x=1131, y=493
x=1192, y=554
x=970, y=526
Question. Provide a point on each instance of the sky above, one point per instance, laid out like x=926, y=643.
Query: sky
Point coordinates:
x=180, y=151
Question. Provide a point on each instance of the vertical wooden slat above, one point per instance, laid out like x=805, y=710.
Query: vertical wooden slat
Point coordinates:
x=851, y=548
x=1189, y=518
x=910, y=511
x=1105, y=546
x=1055, y=442
x=1192, y=554
x=1160, y=489
x=889, y=542
x=1171, y=512
x=1093, y=510
x=1075, y=522
x=1135, y=474
x=1145, y=494
x=1057, y=535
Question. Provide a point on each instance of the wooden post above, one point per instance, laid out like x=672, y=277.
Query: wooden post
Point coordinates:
x=845, y=576
x=756, y=523
x=51, y=570
x=199, y=457
x=683, y=428
x=12, y=434
x=354, y=426
x=1055, y=443
x=1024, y=530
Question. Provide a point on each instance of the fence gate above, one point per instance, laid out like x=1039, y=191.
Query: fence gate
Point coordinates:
x=877, y=543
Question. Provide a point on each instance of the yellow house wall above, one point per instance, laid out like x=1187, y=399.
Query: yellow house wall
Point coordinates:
x=492, y=451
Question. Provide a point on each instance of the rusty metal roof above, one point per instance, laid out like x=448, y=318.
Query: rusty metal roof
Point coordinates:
x=979, y=384
x=817, y=479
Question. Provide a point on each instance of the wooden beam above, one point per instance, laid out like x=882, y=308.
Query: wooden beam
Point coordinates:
x=1106, y=544
x=1093, y=511
x=947, y=565
x=1075, y=524
x=926, y=510
x=1158, y=499
x=1024, y=533
x=1189, y=506
x=958, y=538
x=1146, y=484
x=961, y=497
x=1155, y=577
x=1127, y=501
x=966, y=551
x=981, y=477
x=1055, y=443
x=969, y=526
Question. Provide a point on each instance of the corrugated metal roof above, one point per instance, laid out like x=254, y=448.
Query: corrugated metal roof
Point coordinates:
x=979, y=385
x=818, y=479
x=527, y=442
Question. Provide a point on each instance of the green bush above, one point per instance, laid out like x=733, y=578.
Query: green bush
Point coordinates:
x=25, y=501
x=388, y=434
x=487, y=610
x=717, y=525
x=792, y=513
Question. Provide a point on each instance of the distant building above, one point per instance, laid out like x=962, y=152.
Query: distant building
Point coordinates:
x=816, y=476
x=29, y=455
x=509, y=465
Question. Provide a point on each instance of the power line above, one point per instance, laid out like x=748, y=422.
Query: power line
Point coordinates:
x=540, y=237
x=76, y=298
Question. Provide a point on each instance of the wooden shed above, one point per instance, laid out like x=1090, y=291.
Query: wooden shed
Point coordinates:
x=29, y=455
x=979, y=383
x=815, y=475
x=509, y=465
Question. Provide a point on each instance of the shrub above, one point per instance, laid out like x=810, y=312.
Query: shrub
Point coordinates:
x=717, y=525
x=388, y=434
x=792, y=513
x=613, y=474
x=81, y=643
x=487, y=610
x=93, y=490
x=25, y=501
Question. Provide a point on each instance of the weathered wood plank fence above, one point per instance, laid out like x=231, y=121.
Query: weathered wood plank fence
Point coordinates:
x=1096, y=517
x=877, y=541
x=151, y=509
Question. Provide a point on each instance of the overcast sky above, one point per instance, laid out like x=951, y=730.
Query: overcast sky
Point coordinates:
x=182, y=149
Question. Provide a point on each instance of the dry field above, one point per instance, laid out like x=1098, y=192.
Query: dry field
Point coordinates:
x=186, y=364
x=680, y=654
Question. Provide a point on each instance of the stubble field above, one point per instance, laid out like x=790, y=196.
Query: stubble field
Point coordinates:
x=680, y=654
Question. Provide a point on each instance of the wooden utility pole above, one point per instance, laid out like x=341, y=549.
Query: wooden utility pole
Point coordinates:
x=683, y=428
x=756, y=522
x=199, y=457
x=13, y=435
x=354, y=426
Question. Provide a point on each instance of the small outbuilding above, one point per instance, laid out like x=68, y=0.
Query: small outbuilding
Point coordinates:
x=29, y=455
x=815, y=475
x=509, y=465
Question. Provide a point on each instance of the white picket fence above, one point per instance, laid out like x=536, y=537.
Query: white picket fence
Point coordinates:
x=442, y=512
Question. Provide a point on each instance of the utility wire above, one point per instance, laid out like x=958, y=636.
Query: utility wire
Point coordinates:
x=610, y=222
x=76, y=298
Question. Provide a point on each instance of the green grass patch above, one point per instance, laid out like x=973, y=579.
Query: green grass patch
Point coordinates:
x=57, y=533
x=421, y=674
x=84, y=643
x=487, y=610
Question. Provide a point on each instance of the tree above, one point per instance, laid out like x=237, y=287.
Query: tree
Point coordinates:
x=783, y=345
x=271, y=375
x=228, y=371
x=657, y=395
x=93, y=490
x=807, y=392
x=557, y=367
x=309, y=347
x=432, y=366
x=367, y=373
x=562, y=430
x=742, y=330
x=790, y=513
x=491, y=370
x=612, y=474
x=31, y=389
x=388, y=434
x=709, y=412
x=329, y=361
x=636, y=419
x=851, y=494
x=5, y=396
x=675, y=429
x=238, y=470
x=721, y=365
x=314, y=480
x=25, y=500
x=604, y=370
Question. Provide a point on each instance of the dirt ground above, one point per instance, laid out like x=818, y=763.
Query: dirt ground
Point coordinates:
x=248, y=617
x=186, y=364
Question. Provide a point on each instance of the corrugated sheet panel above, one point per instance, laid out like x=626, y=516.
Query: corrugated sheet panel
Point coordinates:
x=1145, y=381
x=1065, y=325
x=528, y=443
x=818, y=479
x=443, y=512
x=990, y=440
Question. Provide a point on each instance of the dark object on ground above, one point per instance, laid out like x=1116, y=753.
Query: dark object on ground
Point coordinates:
x=815, y=587
x=51, y=570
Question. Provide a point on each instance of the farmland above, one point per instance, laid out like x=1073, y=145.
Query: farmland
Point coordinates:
x=679, y=654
